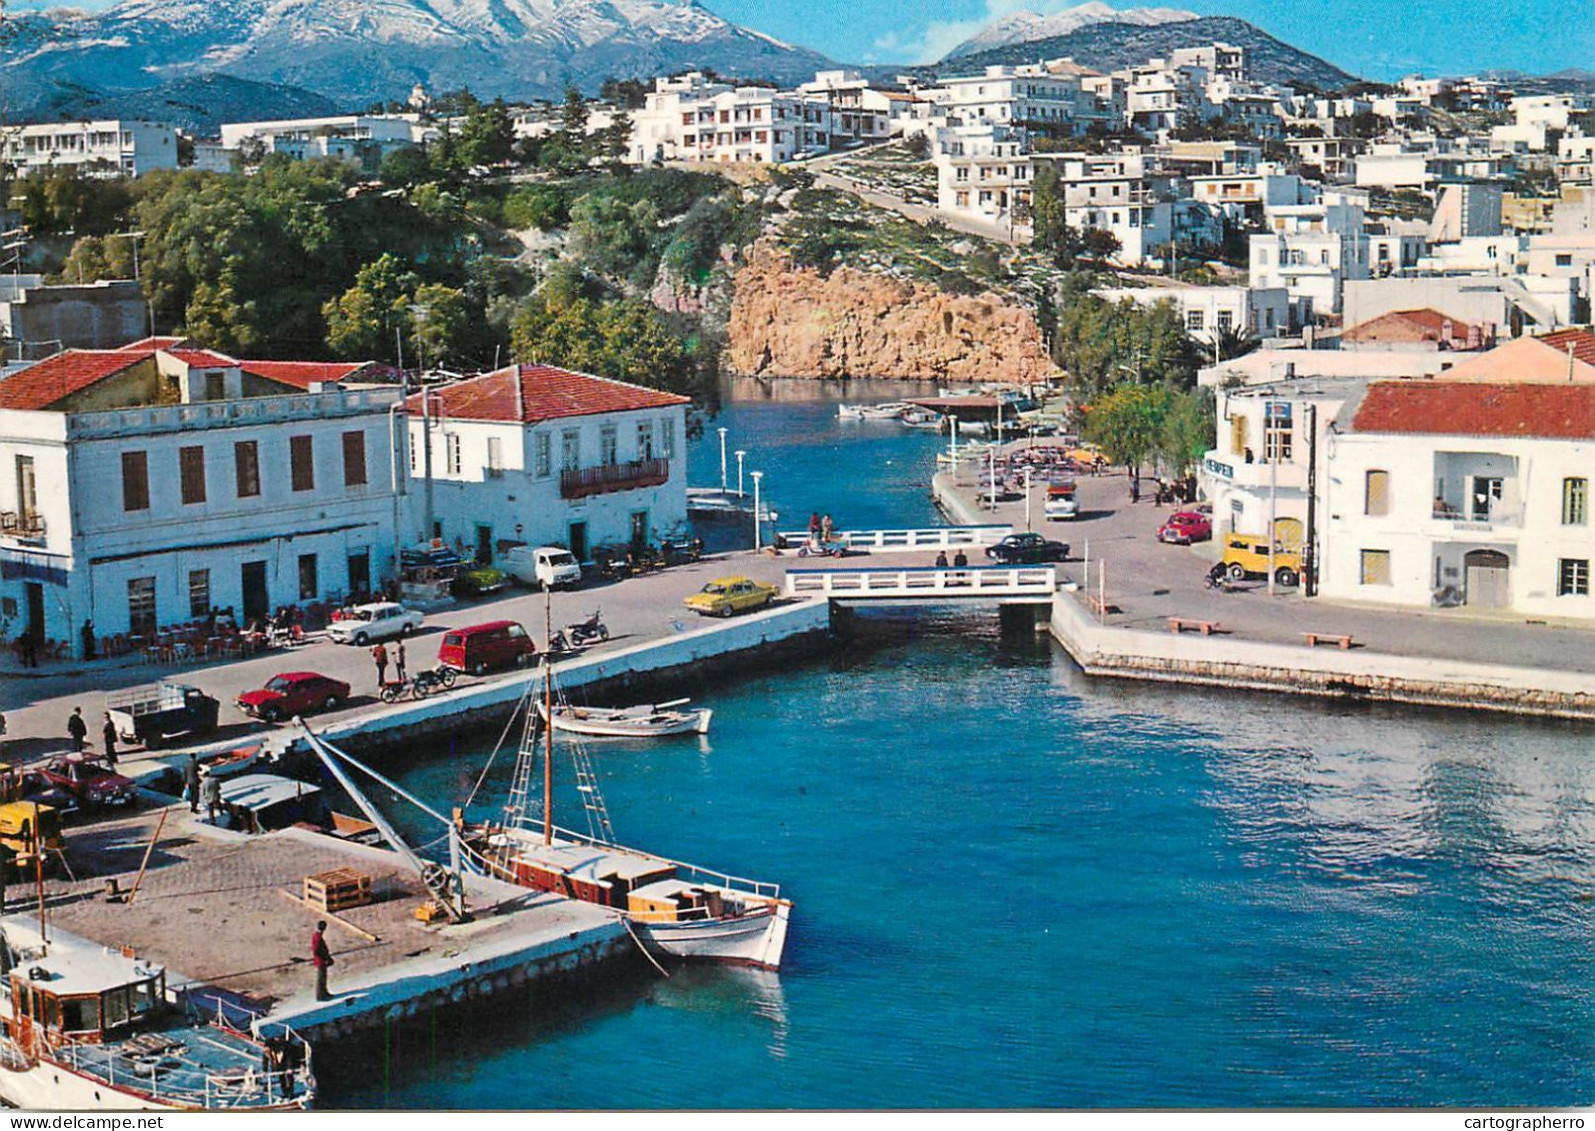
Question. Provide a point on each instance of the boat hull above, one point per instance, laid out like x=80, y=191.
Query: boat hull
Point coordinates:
x=750, y=940
x=55, y=1087
x=601, y=723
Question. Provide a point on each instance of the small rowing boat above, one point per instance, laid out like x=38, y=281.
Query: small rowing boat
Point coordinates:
x=658, y=720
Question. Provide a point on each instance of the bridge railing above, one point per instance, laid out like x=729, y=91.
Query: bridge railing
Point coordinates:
x=911, y=541
x=927, y=581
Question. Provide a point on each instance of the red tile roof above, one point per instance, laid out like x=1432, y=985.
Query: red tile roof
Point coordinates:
x=154, y=343
x=1425, y=325
x=42, y=385
x=1582, y=341
x=527, y=394
x=302, y=374
x=1561, y=412
x=201, y=359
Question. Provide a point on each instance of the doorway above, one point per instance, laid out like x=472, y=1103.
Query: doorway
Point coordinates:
x=484, y=545
x=35, y=627
x=1489, y=577
x=360, y=574
x=578, y=541
x=639, y=529
x=257, y=602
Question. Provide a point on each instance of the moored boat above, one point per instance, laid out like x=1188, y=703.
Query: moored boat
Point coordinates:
x=230, y=763
x=649, y=721
x=887, y=411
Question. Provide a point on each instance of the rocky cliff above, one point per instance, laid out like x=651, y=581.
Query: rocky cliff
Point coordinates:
x=793, y=322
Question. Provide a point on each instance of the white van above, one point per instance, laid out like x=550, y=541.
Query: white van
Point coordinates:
x=546, y=566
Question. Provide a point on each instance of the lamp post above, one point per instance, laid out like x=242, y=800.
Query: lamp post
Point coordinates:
x=952, y=430
x=722, y=432
x=740, y=454
x=757, y=517
x=1027, y=500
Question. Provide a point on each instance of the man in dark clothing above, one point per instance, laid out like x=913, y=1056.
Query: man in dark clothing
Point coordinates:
x=322, y=957
x=108, y=736
x=398, y=660
x=30, y=650
x=77, y=729
x=88, y=640
x=191, y=782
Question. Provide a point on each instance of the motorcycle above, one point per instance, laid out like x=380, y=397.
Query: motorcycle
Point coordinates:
x=1218, y=578
x=592, y=628
x=559, y=646
x=419, y=686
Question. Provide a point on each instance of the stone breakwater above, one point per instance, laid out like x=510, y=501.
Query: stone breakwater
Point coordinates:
x=793, y=322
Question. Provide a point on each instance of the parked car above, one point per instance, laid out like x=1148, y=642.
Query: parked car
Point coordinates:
x=726, y=595
x=1027, y=549
x=364, y=624
x=85, y=779
x=152, y=714
x=1246, y=555
x=1186, y=527
x=485, y=647
x=479, y=582
x=547, y=567
x=293, y=693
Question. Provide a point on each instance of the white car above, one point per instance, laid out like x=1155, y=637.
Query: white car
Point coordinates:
x=364, y=624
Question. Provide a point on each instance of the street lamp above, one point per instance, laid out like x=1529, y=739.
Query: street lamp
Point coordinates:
x=952, y=430
x=722, y=432
x=757, y=517
x=740, y=454
x=1027, y=499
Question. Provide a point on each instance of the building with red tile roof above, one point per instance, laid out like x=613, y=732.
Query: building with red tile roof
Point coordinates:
x=1542, y=360
x=1424, y=329
x=48, y=383
x=1565, y=412
x=528, y=394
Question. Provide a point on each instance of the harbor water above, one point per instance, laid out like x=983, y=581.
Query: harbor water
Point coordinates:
x=1018, y=887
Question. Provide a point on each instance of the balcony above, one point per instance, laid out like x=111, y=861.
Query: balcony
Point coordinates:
x=24, y=526
x=581, y=482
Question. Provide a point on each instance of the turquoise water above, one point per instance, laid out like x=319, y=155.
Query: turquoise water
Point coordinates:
x=1018, y=887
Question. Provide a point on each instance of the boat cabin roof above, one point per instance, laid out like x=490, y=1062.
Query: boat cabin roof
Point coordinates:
x=70, y=967
x=591, y=863
x=262, y=791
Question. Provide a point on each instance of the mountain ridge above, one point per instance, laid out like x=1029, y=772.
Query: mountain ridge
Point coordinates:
x=1025, y=26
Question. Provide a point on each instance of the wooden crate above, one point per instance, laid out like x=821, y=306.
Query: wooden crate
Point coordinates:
x=338, y=889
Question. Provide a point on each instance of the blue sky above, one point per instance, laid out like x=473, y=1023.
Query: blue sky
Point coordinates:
x=1379, y=39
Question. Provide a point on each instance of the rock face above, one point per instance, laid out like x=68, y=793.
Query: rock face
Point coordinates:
x=792, y=322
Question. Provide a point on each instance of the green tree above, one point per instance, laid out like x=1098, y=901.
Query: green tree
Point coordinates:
x=94, y=258
x=1188, y=430
x=614, y=140
x=403, y=167
x=1128, y=423
x=613, y=237
x=361, y=322
x=488, y=135
x=1101, y=343
x=536, y=206
x=440, y=322
x=573, y=118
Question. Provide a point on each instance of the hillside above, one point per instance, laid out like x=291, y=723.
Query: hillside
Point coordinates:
x=1113, y=46
x=1024, y=26
x=196, y=105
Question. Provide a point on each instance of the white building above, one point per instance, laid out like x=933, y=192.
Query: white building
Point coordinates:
x=1121, y=193
x=535, y=455
x=147, y=485
x=1514, y=304
x=1311, y=250
x=1030, y=96
x=1207, y=312
x=349, y=137
x=110, y=147
x=38, y=320
x=982, y=173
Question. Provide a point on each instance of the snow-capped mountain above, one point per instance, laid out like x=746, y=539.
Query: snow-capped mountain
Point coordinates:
x=1021, y=27
x=360, y=51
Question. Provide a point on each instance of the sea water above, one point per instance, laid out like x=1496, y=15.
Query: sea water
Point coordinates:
x=1015, y=886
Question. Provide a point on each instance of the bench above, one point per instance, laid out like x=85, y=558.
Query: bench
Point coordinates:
x=1178, y=625
x=1341, y=640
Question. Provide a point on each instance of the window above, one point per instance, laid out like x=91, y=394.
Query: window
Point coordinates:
x=135, y=481
x=141, y=619
x=543, y=454
x=27, y=488
x=302, y=461
x=354, y=459
x=1193, y=319
x=1572, y=577
x=1376, y=493
x=1564, y=259
x=1226, y=320
x=1487, y=490
x=668, y=427
x=308, y=589
x=1376, y=567
x=1575, y=502
x=246, y=468
x=1237, y=437
x=608, y=446
x=645, y=439
x=451, y=453
x=198, y=592
x=495, y=457
x=1276, y=431
x=215, y=387
x=191, y=463
x=570, y=450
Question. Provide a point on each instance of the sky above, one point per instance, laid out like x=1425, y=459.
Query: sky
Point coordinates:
x=1376, y=39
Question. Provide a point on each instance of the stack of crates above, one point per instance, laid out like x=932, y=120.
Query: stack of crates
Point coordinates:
x=338, y=890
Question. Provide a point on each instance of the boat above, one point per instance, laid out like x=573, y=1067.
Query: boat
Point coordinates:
x=230, y=763
x=86, y=1028
x=712, y=502
x=890, y=410
x=915, y=417
x=652, y=721
x=676, y=909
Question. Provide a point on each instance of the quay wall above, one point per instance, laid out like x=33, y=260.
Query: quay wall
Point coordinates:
x=954, y=505
x=1222, y=661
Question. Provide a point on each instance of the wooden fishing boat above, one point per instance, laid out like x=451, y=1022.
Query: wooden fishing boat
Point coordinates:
x=659, y=720
x=230, y=763
x=887, y=411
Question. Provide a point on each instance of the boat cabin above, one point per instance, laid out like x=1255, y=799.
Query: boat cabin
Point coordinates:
x=604, y=876
x=75, y=994
x=673, y=900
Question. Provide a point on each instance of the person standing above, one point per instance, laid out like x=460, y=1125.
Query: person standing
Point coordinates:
x=379, y=656
x=213, y=796
x=398, y=660
x=77, y=729
x=108, y=736
x=191, y=782
x=322, y=957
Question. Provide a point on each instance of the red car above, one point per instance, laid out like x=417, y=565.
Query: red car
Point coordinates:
x=293, y=693
x=1186, y=527
x=88, y=781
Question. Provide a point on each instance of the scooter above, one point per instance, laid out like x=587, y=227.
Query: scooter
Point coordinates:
x=419, y=686
x=592, y=628
x=1218, y=578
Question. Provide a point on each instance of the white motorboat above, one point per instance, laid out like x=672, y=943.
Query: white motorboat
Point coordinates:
x=890, y=410
x=86, y=1028
x=711, y=502
x=650, y=721
x=915, y=417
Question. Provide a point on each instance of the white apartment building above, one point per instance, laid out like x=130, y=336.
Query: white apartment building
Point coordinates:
x=1333, y=157
x=1207, y=312
x=1445, y=493
x=1575, y=159
x=144, y=486
x=1311, y=250
x=1161, y=96
x=1244, y=195
x=1536, y=117
x=982, y=173
x=349, y=137
x=536, y=455
x=1122, y=193
x=109, y=147
x=1012, y=96
x=37, y=320
x=1514, y=304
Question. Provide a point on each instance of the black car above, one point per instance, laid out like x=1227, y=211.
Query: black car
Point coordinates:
x=1026, y=549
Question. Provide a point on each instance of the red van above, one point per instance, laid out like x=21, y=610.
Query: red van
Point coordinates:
x=485, y=647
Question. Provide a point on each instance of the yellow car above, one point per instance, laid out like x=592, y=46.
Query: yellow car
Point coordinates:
x=1246, y=555
x=726, y=595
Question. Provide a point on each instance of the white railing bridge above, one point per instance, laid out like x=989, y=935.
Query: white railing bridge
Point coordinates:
x=909, y=541
x=925, y=583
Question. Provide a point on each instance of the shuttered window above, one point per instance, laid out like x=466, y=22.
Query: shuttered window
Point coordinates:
x=354, y=459
x=1376, y=493
x=191, y=463
x=1575, y=502
x=246, y=466
x=1237, y=435
x=302, y=460
x=135, y=481
x=1376, y=567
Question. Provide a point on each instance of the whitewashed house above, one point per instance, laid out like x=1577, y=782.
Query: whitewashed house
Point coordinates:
x=536, y=455
x=101, y=147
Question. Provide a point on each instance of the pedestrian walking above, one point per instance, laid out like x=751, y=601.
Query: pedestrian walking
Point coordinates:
x=322, y=957
x=213, y=796
x=77, y=729
x=1135, y=490
x=398, y=661
x=191, y=783
x=108, y=736
x=28, y=650
x=379, y=656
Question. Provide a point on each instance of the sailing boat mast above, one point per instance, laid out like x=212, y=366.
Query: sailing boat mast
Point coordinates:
x=548, y=718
